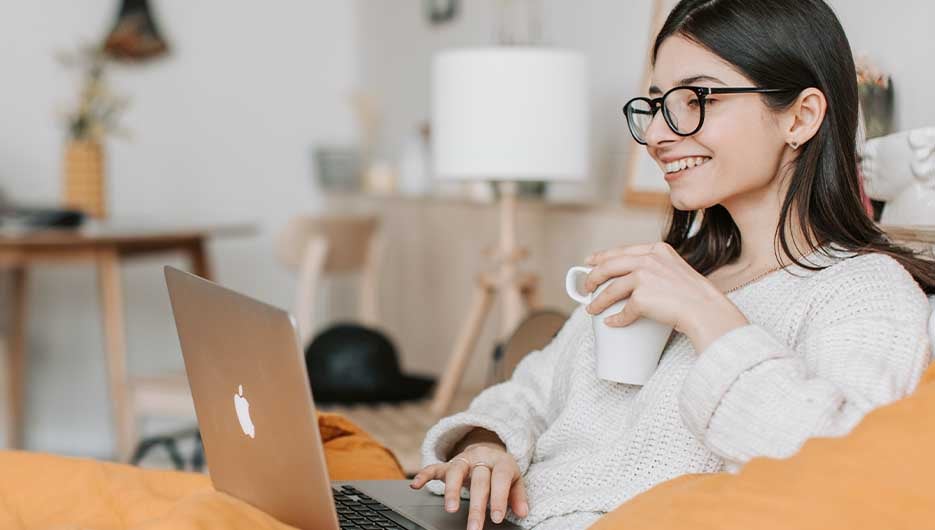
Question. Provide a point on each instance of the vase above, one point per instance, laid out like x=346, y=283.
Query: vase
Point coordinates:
x=84, y=179
x=877, y=105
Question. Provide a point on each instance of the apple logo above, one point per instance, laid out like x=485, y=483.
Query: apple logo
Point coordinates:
x=242, y=406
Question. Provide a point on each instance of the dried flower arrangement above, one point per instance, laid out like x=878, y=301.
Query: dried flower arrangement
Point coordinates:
x=98, y=108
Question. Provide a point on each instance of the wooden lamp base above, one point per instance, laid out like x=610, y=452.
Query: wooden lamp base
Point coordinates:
x=515, y=289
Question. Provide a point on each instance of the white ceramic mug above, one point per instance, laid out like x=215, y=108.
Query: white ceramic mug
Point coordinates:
x=625, y=355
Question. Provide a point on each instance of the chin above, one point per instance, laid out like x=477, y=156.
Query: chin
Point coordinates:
x=684, y=200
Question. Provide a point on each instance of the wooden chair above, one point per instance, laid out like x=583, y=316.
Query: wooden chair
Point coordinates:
x=319, y=246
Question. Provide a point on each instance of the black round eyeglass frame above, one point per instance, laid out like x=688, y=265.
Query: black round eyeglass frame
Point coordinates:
x=701, y=93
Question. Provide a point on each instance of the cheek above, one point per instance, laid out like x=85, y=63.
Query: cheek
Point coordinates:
x=745, y=157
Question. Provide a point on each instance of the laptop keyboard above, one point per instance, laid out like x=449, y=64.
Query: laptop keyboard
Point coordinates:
x=357, y=511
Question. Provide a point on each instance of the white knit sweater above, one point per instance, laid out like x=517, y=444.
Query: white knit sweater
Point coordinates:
x=822, y=350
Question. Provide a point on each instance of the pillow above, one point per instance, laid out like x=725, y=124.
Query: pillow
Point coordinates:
x=881, y=475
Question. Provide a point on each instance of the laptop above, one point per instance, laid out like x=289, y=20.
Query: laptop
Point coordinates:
x=254, y=405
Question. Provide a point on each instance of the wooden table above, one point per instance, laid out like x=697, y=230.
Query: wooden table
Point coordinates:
x=105, y=245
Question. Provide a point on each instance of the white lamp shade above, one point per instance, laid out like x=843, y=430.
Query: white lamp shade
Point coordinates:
x=510, y=113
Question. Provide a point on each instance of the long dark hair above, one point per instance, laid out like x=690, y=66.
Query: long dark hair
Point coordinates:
x=790, y=44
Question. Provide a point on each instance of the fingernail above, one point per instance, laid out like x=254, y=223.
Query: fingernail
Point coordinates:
x=524, y=507
x=496, y=516
x=451, y=506
x=473, y=525
x=610, y=321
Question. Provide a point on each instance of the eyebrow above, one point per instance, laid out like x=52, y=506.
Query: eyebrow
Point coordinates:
x=688, y=81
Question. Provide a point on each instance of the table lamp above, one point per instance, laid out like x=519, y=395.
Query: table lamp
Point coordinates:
x=506, y=114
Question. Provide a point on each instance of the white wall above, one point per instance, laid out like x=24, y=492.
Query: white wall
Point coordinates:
x=222, y=131
x=898, y=36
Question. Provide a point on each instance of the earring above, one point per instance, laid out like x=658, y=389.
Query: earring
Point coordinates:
x=794, y=145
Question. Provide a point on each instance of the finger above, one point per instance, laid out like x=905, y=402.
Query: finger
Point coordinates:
x=619, y=266
x=454, y=478
x=432, y=472
x=500, y=482
x=518, y=499
x=480, y=491
x=600, y=257
x=629, y=314
x=619, y=289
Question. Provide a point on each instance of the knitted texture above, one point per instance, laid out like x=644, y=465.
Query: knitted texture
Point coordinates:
x=822, y=349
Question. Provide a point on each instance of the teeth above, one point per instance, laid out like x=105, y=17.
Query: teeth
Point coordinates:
x=685, y=163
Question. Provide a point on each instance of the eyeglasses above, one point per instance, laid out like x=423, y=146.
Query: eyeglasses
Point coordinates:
x=683, y=108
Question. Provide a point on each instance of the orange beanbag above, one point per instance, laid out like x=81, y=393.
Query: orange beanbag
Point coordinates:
x=881, y=475
x=39, y=491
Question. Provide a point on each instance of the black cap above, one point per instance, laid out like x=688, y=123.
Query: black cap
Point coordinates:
x=350, y=363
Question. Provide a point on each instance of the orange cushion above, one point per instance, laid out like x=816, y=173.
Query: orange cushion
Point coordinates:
x=352, y=454
x=881, y=475
x=39, y=491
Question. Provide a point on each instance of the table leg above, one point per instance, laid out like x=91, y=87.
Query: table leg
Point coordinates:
x=199, y=259
x=111, y=297
x=16, y=359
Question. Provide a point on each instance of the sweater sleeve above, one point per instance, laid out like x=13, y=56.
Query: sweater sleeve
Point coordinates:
x=866, y=345
x=516, y=410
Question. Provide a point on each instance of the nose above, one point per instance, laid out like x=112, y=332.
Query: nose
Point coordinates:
x=659, y=133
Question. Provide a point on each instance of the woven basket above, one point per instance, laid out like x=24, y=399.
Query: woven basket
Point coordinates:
x=85, y=186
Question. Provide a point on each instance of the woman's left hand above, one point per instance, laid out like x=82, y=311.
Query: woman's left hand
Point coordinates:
x=661, y=286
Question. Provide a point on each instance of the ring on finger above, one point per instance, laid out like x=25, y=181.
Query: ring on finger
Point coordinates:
x=482, y=464
x=461, y=458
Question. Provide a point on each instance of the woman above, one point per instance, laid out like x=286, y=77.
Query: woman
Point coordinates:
x=793, y=314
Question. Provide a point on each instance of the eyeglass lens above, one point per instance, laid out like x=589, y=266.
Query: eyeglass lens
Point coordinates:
x=681, y=107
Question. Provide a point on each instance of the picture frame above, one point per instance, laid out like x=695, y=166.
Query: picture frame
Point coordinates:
x=643, y=182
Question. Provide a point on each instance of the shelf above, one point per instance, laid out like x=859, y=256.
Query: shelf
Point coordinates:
x=914, y=233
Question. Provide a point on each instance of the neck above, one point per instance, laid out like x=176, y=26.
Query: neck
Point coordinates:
x=756, y=215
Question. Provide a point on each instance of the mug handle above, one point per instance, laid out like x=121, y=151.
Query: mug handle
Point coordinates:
x=571, y=284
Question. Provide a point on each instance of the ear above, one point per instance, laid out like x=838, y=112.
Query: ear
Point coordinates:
x=805, y=117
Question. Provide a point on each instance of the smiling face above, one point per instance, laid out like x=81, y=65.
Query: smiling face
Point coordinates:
x=738, y=152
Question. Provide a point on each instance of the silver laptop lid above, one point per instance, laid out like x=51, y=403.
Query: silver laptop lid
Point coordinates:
x=250, y=387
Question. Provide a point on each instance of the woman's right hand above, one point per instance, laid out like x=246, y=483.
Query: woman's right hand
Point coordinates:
x=493, y=474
